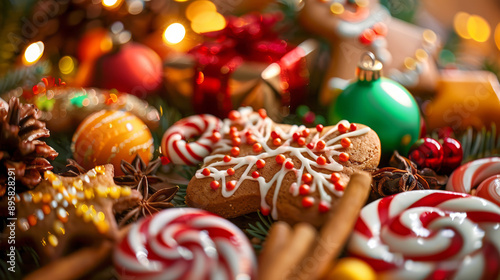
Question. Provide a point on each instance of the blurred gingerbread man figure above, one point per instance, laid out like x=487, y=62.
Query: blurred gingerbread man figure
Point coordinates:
x=356, y=26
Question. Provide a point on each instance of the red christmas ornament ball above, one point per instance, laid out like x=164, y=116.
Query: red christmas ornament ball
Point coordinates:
x=134, y=68
x=427, y=152
x=452, y=155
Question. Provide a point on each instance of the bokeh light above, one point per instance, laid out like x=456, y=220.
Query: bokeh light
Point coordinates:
x=174, y=33
x=66, y=65
x=497, y=36
x=208, y=21
x=471, y=27
x=135, y=7
x=111, y=4
x=478, y=28
x=33, y=52
x=460, y=24
x=198, y=7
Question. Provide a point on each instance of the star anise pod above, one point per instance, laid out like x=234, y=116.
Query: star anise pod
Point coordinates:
x=402, y=176
x=137, y=169
x=151, y=203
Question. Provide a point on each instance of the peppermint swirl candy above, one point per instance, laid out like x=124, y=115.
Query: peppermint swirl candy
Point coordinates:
x=185, y=243
x=479, y=177
x=174, y=144
x=429, y=235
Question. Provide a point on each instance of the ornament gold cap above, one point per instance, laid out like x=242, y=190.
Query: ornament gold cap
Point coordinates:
x=369, y=68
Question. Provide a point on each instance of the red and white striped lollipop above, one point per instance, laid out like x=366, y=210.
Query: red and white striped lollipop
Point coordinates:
x=185, y=243
x=175, y=145
x=429, y=234
x=479, y=177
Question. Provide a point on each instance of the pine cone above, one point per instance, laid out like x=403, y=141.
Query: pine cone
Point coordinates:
x=20, y=147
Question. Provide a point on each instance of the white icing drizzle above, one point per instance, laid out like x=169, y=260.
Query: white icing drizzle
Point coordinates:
x=261, y=129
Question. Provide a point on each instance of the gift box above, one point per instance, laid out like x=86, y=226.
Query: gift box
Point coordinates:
x=246, y=65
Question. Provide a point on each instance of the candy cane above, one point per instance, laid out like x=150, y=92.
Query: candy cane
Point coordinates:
x=185, y=243
x=174, y=144
x=429, y=235
x=469, y=176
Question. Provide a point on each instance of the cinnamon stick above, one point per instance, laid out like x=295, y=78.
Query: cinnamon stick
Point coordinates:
x=284, y=262
x=276, y=240
x=337, y=229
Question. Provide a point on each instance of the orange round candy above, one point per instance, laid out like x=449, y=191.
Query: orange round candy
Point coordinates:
x=109, y=137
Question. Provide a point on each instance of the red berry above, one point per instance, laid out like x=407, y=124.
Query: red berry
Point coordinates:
x=301, y=141
x=344, y=157
x=289, y=165
x=234, y=115
x=296, y=136
x=310, y=145
x=319, y=128
x=262, y=113
x=307, y=178
x=335, y=177
x=255, y=174
x=280, y=159
x=215, y=136
x=264, y=211
x=306, y=132
x=251, y=140
x=380, y=28
x=338, y=186
x=261, y=163
x=345, y=142
x=353, y=127
x=323, y=207
x=236, y=141
x=320, y=145
x=427, y=152
x=452, y=155
x=309, y=117
x=165, y=160
x=231, y=185
x=304, y=189
x=230, y=171
x=277, y=141
x=342, y=128
x=227, y=158
x=257, y=147
x=233, y=129
x=274, y=134
x=248, y=133
x=321, y=160
x=235, y=151
x=205, y=172
x=307, y=201
x=214, y=185
x=367, y=36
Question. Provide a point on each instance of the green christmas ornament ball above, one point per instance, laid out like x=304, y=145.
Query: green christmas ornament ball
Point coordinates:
x=380, y=103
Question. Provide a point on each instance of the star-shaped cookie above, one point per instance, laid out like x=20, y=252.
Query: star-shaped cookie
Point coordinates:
x=63, y=214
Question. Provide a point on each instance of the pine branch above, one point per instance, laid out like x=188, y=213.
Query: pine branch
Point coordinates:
x=179, y=199
x=260, y=229
x=480, y=144
x=24, y=76
x=26, y=261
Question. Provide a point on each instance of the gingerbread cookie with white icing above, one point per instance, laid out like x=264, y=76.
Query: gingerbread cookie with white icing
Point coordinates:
x=292, y=172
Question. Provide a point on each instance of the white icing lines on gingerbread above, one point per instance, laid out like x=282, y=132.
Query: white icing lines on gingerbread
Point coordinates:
x=257, y=130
